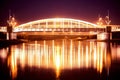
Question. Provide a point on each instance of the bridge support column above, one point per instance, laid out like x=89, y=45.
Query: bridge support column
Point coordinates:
x=10, y=35
x=9, y=31
x=107, y=35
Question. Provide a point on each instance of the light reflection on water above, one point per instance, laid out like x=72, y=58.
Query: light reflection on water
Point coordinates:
x=59, y=55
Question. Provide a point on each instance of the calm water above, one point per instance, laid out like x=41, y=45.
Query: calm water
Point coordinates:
x=61, y=60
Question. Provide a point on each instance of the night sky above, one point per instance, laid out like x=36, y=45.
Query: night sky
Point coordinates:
x=88, y=10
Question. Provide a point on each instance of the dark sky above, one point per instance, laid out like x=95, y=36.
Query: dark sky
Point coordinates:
x=88, y=10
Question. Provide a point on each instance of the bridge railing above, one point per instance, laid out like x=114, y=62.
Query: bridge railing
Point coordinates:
x=3, y=29
x=61, y=30
x=115, y=28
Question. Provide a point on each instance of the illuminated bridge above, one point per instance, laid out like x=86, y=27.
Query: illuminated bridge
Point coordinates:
x=58, y=26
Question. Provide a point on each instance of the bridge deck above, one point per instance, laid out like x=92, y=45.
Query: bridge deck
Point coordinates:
x=57, y=33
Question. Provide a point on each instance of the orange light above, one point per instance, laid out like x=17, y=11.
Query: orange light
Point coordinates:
x=52, y=55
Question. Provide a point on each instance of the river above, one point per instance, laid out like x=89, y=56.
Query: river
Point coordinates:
x=61, y=59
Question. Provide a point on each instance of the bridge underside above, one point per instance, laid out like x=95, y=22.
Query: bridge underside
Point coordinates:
x=55, y=35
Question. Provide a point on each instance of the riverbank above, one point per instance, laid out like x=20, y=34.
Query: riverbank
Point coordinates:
x=96, y=40
x=6, y=43
x=113, y=40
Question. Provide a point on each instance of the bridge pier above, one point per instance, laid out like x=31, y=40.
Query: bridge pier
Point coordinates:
x=107, y=35
x=9, y=31
x=10, y=35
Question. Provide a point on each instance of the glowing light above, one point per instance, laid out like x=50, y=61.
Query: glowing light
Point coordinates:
x=13, y=65
x=57, y=62
x=58, y=55
x=57, y=23
x=3, y=54
x=12, y=22
x=71, y=61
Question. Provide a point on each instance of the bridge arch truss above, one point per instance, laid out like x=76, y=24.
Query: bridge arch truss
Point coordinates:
x=54, y=24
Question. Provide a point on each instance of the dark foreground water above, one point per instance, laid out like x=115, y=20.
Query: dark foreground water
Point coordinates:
x=61, y=60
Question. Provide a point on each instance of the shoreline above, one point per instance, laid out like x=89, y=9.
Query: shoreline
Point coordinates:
x=112, y=40
x=7, y=43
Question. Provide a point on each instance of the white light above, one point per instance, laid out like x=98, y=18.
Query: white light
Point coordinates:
x=41, y=29
x=58, y=20
x=46, y=29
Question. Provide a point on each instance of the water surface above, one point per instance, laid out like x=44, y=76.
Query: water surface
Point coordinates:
x=62, y=59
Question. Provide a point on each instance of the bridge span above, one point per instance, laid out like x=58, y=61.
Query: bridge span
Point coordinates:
x=55, y=24
x=59, y=26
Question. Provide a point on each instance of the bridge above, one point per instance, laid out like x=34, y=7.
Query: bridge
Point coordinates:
x=59, y=26
x=55, y=25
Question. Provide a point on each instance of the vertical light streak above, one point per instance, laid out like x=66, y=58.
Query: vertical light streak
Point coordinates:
x=30, y=58
x=53, y=49
x=41, y=52
x=78, y=24
x=101, y=59
x=36, y=48
x=90, y=52
x=47, y=56
x=63, y=50
x=98, y=57
x=54, y=23
x=87, y=56
x=22, y=56
x=79, y=53
x=105, y=56
x=82, y=56
x=12, y=63
x=71, y=49
x=46, y=24
x=63, y=25
x=36, y=55
x=71, y=26
x=66, y=53
x=95, y=57
x=57, y=61
x=73, y=56
x=45, y=52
